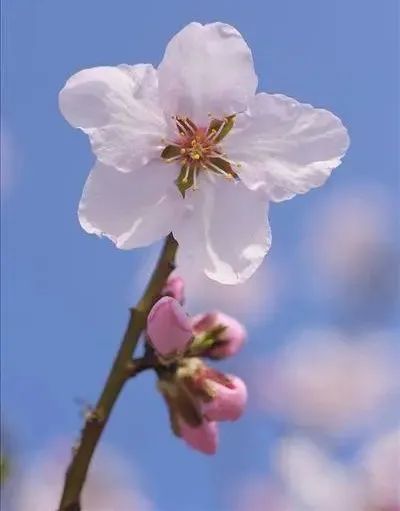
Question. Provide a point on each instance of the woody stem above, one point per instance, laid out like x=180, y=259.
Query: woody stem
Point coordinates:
x=123, y=369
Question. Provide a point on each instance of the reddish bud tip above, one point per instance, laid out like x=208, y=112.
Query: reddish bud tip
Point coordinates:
x=175, y=287
x=203, y=438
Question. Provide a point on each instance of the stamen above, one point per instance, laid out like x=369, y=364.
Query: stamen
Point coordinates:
x=185, y=127
x=218, y=131
x=170, y=160
x=195, y=187
x=218, y=170
x=186, y=176
x=191, y=124
x=198, y=151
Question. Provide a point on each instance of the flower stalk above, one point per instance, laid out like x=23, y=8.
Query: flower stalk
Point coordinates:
x=122, y=370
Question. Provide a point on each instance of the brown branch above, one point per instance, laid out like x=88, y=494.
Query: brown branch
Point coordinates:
x=121, y=371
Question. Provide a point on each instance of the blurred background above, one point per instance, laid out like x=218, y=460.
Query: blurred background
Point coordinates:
x=322, y=362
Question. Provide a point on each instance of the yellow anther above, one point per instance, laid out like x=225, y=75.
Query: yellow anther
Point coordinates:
x=183, y=150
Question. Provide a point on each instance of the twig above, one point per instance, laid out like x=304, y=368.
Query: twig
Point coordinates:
x=121, y=371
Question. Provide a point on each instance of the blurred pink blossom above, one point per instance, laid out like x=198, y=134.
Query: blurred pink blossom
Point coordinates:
x=381, y=470
x=305, y=476
x=9, y=160
x=109, y=486
x=348, y=233
x=323, y=380
x=315, y=481
x=253, y=302
x=261, y=495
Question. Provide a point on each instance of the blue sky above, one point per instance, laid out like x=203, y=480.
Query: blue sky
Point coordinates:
x=65, y=294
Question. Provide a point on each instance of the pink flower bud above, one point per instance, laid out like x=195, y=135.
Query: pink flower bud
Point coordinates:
x=168, y=327
x=203, y=438
x=175, y=287
x=228, y=402
x=229, y=341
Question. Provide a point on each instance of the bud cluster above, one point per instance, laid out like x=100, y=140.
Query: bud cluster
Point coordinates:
x=197, y=395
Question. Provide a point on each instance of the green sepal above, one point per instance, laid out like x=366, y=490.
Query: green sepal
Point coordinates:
x=185, y=180
x=4, y=468
x=224, y=165
x=216, y=124
x=181, y=403
x=185, y=125
x=171, y=151
x=201, y=343
x=229, y=122
x=187, y=406
x=202, y=391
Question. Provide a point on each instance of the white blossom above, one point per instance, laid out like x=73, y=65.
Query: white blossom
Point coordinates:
x=190, y=148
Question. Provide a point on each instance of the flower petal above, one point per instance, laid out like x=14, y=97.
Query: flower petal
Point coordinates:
x=131, y=209
x=168, y=327
x=118, y=108
x=228, y=403
x=206, y=69
x=285, y=146
x=224, y=231
x=203, y=438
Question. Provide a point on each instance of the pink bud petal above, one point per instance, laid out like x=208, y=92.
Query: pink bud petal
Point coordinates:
x=168, y=327
x=228, y=403
x=203, y=438
x=175, y=287
x=229, y=341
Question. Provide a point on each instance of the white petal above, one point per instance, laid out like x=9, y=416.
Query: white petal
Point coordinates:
x=118, y=108
x=285, y=146
x=224, y=231
x=206, y=69
x=132, y=209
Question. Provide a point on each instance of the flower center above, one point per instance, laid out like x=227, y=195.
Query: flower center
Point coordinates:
x=197, y=149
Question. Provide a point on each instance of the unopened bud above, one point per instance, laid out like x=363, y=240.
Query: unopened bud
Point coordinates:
x=168, y=327
x=228, y=334
x=228, y=402
x=175, y=287
x=203, y=438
